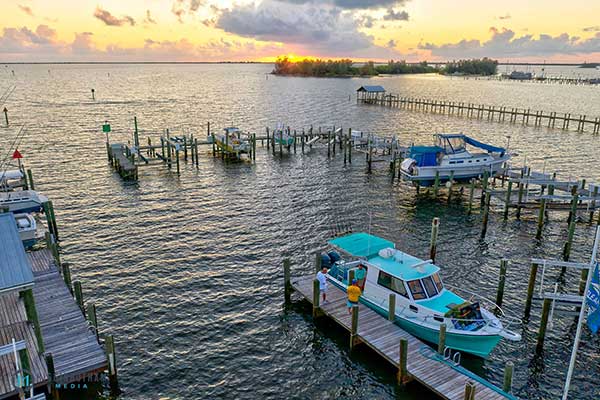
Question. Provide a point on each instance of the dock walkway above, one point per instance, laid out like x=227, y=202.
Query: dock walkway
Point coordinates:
x=67, y=335
x=383, y=336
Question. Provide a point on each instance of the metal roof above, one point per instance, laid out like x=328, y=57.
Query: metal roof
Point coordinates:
x=361, y=244
x=371, y=89
x=15, y=269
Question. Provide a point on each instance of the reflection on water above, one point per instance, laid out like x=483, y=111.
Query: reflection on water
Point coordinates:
x=186, y=271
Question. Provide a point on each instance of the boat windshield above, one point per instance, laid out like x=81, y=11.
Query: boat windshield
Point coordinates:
x=451, y=144
x=427, y=287
x=392, y=283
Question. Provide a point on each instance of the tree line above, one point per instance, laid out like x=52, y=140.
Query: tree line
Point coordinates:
x=346, y=67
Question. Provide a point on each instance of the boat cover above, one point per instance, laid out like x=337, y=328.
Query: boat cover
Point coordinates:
x=361, y=244
x=484, y=146
x=425, y=156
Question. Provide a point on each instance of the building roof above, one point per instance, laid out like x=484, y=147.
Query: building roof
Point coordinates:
x=15, y=269
x=371, y=89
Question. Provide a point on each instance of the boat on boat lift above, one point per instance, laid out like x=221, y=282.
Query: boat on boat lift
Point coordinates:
x=450, y=160
x=423, y=301
x=233, y=140
x=282, y=136
x=22, y=201
x=27, y=227
x=10, y=178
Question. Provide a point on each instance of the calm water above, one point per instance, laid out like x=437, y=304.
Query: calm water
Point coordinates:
x=186, y=272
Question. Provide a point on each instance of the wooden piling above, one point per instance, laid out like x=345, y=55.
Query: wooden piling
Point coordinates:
x=403, y=376
x=471, y=194
x=435, y=225
x=78, y=295
x=350, y=145
x=501, y=282
x=484, y=185
x=5, y=111
x=287, y=286
x=541, y=217
x=450, y=183
x=32, y=186
x=569, y=243
x=508, y=376
x=530, y=289
x=392, y=307
x=436, y=184
x=442, y=339
x=32, y=316
x=486, y=213
x=91, y=317
x=354, y=328
x=543, y=325
x=469, y=391
x=316, y=298
x=318, y=262
x=109, y=344
x=51, y=387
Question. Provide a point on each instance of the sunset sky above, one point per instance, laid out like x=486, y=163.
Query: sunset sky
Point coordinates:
x=211, y=30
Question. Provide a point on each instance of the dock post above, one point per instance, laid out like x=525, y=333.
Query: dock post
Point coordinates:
x=177, y=158
x=469, y=391
x=112, y=364
x=442, y=339
x=402, y=359
x=370, y=153
x=295, y=139
x=508, y=375
x=392, y=307
x=344, y=144
x=501, y=282
x=436, y=184
x=196, y=150
x=594, y=194
x=541, y=216
x=507, y=200
x=51, y=387
x=569, y=243
x=574, y=201
x=350, y=145
x=287, y=287
x=486, y=214
x=316, y=298
x=329, y=144
x=484, y=185
x=254, y=147
x=471, y=194
x=450, y=183
x=79, y=295
x=214, y=147
x=303, y=139
x=318, y=262
x=185, y=149
x=543, y=325
x=530, y=288
x=5, y=111
x=32, y=187
x=91, y=317
x=281, y=143
x=354, y=328
x=435, y=225
x=267, y=129
x=136, y=137
x=32, y=316
x=520, y=199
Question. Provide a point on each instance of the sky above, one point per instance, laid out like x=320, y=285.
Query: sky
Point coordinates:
x=261, y=30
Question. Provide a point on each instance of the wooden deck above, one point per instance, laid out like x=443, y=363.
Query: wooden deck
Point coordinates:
x=384, y=337
x=67, y=335
x=14, y=325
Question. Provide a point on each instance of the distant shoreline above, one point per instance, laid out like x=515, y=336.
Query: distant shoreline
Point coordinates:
x=246, y=62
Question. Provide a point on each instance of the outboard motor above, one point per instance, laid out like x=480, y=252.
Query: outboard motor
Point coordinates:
x=325, y=260
x=334, y=256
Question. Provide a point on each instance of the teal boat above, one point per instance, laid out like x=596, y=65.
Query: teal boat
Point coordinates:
x=282, y=136
x=423, y=302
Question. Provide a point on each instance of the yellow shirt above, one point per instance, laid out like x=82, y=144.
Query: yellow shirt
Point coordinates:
x=353, y=293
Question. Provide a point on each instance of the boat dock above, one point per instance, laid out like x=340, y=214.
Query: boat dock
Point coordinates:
x=566, y=121
x=414, y=359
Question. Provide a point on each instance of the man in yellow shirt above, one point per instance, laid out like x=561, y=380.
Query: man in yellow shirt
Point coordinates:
x=353, y=295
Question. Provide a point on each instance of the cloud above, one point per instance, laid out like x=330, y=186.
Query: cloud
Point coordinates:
x=149, y=19
x=391, y=44
x=505, y=43
x=182, y=7
x=392, y=15
x=352, y=4
x=26, y=9
x=307, y=28
x=504, y=17
x=111, y=20
x=23, y=45
x=366, y=21
x=592, y=29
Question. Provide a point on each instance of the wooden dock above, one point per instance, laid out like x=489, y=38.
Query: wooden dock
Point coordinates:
x=68, y=336
x=423, y=364
x=480, y=111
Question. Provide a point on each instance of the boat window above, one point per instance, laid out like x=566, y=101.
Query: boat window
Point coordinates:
x=390, y=282
x=438, y=282
x=460, y=162
x=417, y=290
x=429, y=286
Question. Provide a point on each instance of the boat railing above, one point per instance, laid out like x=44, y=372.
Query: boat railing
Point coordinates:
x=488, y=304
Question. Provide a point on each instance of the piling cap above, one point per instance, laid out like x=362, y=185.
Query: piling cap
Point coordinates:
x=16, y=155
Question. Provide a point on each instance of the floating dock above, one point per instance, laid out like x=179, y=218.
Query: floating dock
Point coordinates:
x=422, y=363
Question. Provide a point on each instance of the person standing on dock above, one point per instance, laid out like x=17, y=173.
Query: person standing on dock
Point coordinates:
x=354, y=293
x=322, y=278
x=360, y=275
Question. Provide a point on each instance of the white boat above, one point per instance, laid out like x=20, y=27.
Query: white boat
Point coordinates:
x=423, y=302
x=27, y=227
x=233, y=140
x=450, y=159
x=22, y=201
x=10, y=178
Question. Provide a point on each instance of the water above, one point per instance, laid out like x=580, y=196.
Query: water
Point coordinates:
x=186, y=272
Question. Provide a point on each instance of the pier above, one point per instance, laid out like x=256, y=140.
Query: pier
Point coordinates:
x=413, y=359
x=565, y=121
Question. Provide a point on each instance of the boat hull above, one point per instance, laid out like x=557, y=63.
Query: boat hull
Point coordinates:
x=477, y=345
x=426, y=176
x=23, y=207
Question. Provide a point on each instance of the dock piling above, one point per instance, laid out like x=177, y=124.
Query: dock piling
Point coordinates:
x=354, y=328
x=486, y=214
x=469, y=391
x=501, y=282
x=543, y=324
x=442, y=339
x=471, y=194
x=392, y=307
x=508, y=375
x=316, y=298
x=112, y=364
x=435, y=225
x=287, y=286
x=91, y=317
x=530, y=288
x=403, y=376
x=79, y=295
